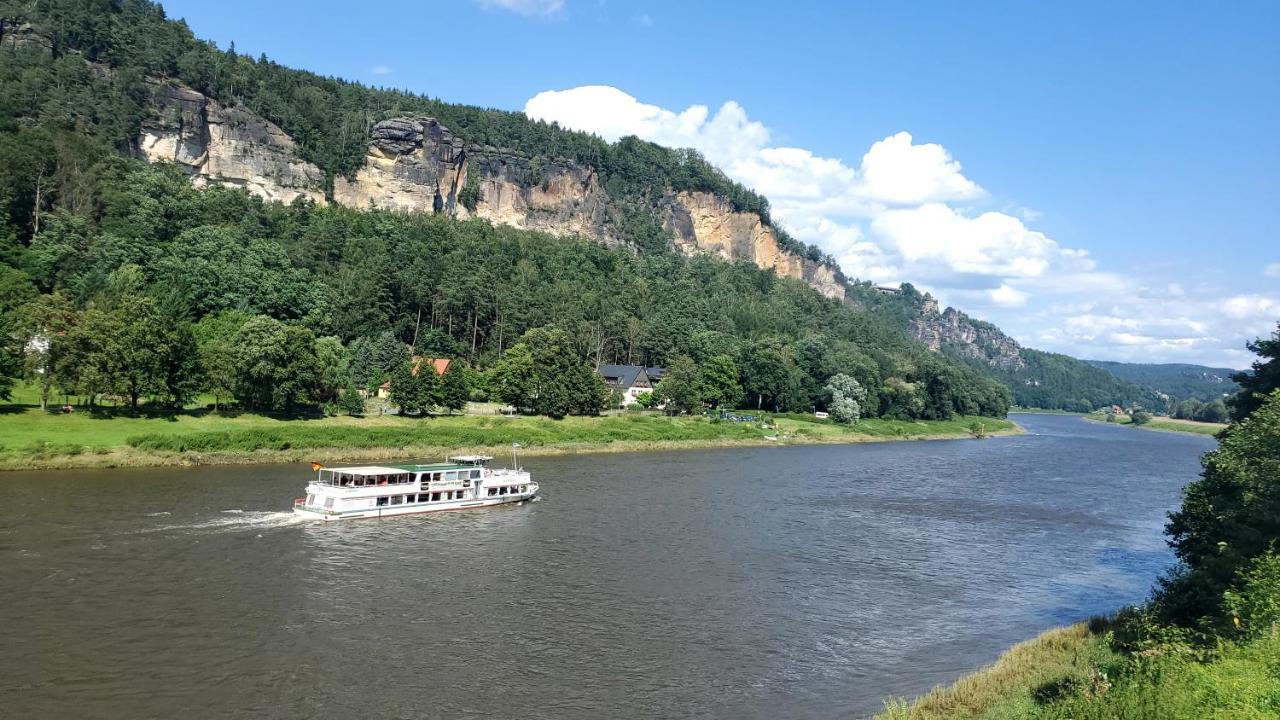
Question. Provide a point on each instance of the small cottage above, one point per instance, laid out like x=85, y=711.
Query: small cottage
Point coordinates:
x=440, y=365
x=630, y=380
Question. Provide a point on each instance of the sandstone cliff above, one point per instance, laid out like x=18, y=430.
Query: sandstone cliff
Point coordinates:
x=226, y=145
x=703, y=222
x=959, y=334
x=418, y=165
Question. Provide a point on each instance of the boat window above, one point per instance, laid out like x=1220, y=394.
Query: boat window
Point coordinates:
x=524, y=488
x=493, y=491
x=397, y=499
x=328, y=503
x=435, y=497
x=382, y=500
x=475, y=474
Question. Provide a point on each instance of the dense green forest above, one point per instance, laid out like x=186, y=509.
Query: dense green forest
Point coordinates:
x=77, y=68
x=246, y=287
x=121, y=280
x=1046, y=380
x=90, y=231
x=1052, y=380
x=1178, y=380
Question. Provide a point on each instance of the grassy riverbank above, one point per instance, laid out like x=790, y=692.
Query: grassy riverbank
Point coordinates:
x=31, y=438
x=1166, y=424
x=1073, y=673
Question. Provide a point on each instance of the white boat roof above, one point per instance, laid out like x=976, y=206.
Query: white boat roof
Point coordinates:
x=368, y=470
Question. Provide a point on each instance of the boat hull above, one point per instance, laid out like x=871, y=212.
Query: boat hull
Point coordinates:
x=386, y=511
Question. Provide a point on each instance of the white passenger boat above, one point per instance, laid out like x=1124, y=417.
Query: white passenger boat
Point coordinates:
x=376, y=491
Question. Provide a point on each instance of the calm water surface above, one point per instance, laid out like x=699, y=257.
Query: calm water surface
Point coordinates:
x=800, y=582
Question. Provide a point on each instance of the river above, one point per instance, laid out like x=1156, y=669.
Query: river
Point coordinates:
x=797, y=582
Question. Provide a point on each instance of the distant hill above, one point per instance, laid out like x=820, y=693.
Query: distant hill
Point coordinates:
x=1178, y=380
x=1035, y=378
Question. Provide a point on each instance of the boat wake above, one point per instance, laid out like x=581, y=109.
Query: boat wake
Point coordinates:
x=232, y=521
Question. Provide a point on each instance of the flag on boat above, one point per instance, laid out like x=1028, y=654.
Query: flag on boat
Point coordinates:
x=315, y=467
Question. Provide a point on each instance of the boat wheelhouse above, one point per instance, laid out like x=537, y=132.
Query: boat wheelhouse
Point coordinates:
x=374, y=491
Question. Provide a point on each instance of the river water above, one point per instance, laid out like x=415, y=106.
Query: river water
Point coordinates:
x=797, y=582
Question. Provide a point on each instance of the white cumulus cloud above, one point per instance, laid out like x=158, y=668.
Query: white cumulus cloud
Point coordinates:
x=907, y=212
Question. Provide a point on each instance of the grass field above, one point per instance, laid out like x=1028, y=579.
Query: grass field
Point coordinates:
x=1072, y=673
x=1167, y=424
x=32, y=438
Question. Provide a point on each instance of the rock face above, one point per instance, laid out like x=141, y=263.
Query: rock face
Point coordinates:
x=704, y=222
x=227, y=146
x=418, y=165
x=958, y=333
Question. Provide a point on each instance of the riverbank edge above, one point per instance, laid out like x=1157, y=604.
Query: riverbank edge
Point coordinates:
x=1163, y=427
x=129, y=457
x=1009, y=682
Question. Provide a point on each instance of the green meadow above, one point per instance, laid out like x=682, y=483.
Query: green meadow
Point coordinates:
x=35, y=438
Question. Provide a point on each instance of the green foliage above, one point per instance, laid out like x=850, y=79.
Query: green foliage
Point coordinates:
x=415, y=390
x=1228, y=518
x=215, y=339
x=1178, y=380
x=1138, y=416
x=1254, y=603
x=351, y=401
x=1261, y=380
x=276, y=367
x=847, y=398
x=718, y=381
x=335, y=368
x=16, y=292
x=373, y=360
x=455, y=388
x=646, y=399
x=680, y=392
x=469, y=195
x=74, y=212
x=544, y=374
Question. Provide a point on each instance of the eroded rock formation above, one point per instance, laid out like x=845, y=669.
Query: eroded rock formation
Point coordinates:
x=704, y=222
x=226, y=145
x=418, y=165
x=964, y=336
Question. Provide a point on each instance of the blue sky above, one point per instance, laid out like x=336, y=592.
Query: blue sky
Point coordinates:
x=1097, y=179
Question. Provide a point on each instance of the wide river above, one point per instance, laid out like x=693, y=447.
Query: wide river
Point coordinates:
x=796, y=582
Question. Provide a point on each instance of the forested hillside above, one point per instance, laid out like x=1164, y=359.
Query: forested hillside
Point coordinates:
x=1178, y=380
x=1037, y=379
x=91, y=59
x=102, y=252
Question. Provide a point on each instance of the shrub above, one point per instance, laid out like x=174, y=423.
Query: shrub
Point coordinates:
x=1254, y=605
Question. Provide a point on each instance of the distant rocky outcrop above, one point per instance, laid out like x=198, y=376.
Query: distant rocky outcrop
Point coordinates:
x=415, y=164
x=959, y=334
x=704, y=222
x=225, y=145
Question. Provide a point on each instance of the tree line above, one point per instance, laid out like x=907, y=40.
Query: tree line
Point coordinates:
x=161, y=264
x=66, y=115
